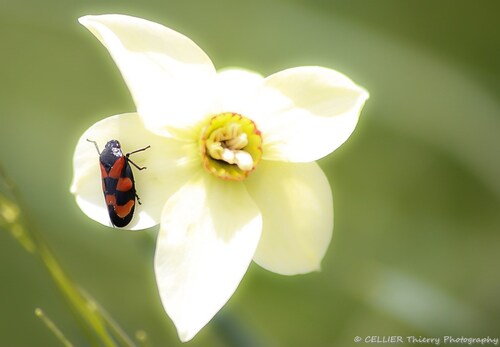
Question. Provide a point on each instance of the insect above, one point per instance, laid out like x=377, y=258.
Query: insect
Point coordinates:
x=118, y=183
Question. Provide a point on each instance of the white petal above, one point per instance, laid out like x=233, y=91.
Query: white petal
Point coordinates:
x=169, y=164
x=297, y=213
x=209, y=231
x=305, y=113
x=168, y=75
x=236, y=90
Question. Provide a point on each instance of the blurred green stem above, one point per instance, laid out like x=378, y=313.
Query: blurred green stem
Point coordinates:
x=84, y=308
x=52, y=327
x=98, y=325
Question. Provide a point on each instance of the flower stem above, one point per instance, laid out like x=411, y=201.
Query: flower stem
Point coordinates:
x=52, y=327
x=93, y=319
x=114, y=327
x=85, y=310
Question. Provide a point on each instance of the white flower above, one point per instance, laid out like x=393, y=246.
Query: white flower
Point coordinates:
x=230, y=173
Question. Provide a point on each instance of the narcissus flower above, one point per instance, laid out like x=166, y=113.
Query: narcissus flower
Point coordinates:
x=231, y=174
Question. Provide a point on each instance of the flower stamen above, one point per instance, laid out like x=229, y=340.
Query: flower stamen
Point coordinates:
x=230, y=146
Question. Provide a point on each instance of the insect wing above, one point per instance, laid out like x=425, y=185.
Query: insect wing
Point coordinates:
x=117, y=184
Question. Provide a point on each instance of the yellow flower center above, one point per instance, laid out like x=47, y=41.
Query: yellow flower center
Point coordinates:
x=231, y=146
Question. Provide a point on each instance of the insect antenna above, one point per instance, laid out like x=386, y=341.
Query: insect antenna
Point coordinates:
x=96, y=146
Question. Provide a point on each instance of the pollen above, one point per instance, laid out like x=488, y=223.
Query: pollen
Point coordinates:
x=231, y=146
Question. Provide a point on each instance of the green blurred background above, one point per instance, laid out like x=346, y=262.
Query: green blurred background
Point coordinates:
x=416, y=189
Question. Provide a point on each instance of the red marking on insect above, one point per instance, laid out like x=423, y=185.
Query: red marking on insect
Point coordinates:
x=124, y=184
x=118, y=183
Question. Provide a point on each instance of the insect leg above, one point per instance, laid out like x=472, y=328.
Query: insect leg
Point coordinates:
x=137, y=150
x=137, y=166
x=131, y=162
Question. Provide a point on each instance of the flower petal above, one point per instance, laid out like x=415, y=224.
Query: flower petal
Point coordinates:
x=168, y=163
x=209, y=231
x=168, y=75
x=297, y=212
x=305, y=113
x=236, y=90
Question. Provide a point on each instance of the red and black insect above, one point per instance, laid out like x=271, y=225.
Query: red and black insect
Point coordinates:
x=118, y=182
